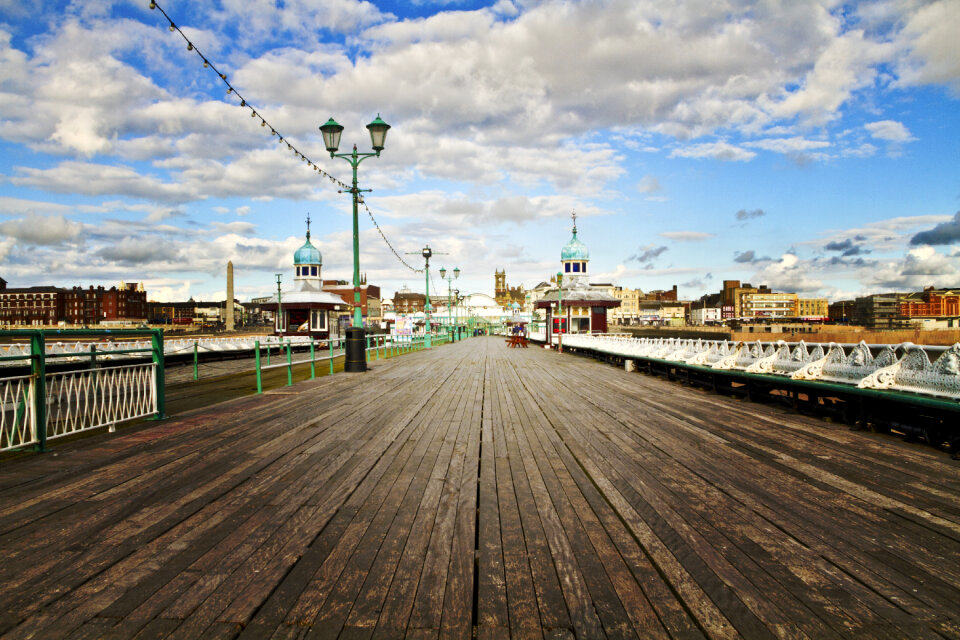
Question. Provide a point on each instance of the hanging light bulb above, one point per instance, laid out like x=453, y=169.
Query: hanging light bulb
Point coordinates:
x=243, y=103
x=173, y=27
x=205, y=63
x=263, y=122
x=189, y=46
x=153, y=5
x=229, y=90
x=223, y=76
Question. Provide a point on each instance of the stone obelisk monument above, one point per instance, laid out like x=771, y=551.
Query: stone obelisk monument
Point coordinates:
x=229, y=314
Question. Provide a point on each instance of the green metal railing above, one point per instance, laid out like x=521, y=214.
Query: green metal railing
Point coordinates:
x=378, y=346
x=44, y=405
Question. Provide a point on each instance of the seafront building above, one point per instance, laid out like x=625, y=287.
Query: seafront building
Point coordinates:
x=307, y=310
x=575, y=305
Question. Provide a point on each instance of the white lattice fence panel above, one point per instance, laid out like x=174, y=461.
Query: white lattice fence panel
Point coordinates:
x=17, y=422
x=81, y=400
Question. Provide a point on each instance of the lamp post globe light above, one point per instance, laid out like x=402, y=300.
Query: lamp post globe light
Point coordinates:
x=356, y=358
x=443, y=276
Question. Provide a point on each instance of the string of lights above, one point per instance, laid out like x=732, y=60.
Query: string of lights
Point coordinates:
x=231, y=90
x=390, y=246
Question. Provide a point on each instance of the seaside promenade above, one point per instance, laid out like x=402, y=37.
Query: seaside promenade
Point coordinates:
x=477, y=491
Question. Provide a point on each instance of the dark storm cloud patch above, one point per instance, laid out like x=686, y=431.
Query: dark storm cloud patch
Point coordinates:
x=749, y=257
x=745, y=214
x=944, y=233
x=647, y=254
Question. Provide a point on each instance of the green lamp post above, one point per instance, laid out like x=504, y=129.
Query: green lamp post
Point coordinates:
x=279, y=306
x=355, y=357
x=331, y=139
x=443, y=276
x=456, y=312
x=560, y=311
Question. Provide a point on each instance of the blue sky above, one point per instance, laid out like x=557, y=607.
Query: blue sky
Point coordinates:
x=809, y=146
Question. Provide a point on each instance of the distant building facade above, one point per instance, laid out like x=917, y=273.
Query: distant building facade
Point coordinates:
x=370, y=307
x=31, y=306
x=878, y=311
x=406, y=301
x=930, y=303
x=40, y=306
x=505, y=294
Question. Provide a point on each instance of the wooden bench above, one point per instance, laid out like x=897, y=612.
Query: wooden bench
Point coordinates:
x=517, y=341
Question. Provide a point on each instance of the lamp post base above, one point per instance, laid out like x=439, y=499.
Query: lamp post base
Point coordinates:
x=356, y=351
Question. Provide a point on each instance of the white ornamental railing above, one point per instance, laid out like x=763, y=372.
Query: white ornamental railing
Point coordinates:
x=18, y=425
x=82, y=400
x=928, y=370
x=101, y=351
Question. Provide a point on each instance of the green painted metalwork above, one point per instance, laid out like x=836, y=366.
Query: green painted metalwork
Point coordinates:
x=289, y=365
x=38, y=369
x=156, y=343
x=313, y=361
x=196, y=362
x=256, y=351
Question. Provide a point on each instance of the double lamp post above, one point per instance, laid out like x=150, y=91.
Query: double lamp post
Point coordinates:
x=356, y=357
x=443, y=276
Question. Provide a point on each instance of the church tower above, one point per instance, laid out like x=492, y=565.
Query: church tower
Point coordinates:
x=500, y=292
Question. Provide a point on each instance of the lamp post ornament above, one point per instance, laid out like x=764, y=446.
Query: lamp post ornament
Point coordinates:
x=443, y=275
x=331, y=138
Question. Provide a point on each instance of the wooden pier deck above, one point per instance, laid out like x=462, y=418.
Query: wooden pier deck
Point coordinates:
x=479, y=491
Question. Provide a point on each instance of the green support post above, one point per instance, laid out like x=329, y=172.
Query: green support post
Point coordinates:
x=289, y=365
x=156, y=343
x=257, y=356
x=313, y=361
x=330, y=345
x=196, y=364
x=38, y=353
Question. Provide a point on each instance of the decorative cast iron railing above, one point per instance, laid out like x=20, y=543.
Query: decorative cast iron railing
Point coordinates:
x=926, y=370
x=42, y=406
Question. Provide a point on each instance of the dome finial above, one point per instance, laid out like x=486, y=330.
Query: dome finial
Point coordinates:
x=308, y=225
x=574, y=216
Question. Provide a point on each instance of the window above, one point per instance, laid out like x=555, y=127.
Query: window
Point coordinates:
x=313, y=271
x=566, y=267
x=576, y=267
x=318, y=320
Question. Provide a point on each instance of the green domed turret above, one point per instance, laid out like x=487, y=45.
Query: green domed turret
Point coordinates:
x=307, y=254
x=574, y=250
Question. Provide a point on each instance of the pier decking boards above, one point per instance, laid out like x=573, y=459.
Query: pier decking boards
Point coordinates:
x=476, y=490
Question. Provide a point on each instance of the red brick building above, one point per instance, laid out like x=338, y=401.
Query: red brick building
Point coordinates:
x=92, y=306
x=931, y=303
x=369, y=296
x=31, y=306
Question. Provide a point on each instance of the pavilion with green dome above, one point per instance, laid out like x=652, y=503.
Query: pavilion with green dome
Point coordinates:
x=307, y=310
x=584, y=306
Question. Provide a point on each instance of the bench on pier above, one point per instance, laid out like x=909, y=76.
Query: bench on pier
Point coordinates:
x=517, y=341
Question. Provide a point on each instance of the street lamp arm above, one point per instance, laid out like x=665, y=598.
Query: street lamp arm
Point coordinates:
x=355, y=157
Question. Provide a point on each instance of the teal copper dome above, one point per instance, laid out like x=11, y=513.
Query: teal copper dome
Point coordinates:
x=574, y=250
x=307, y=254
